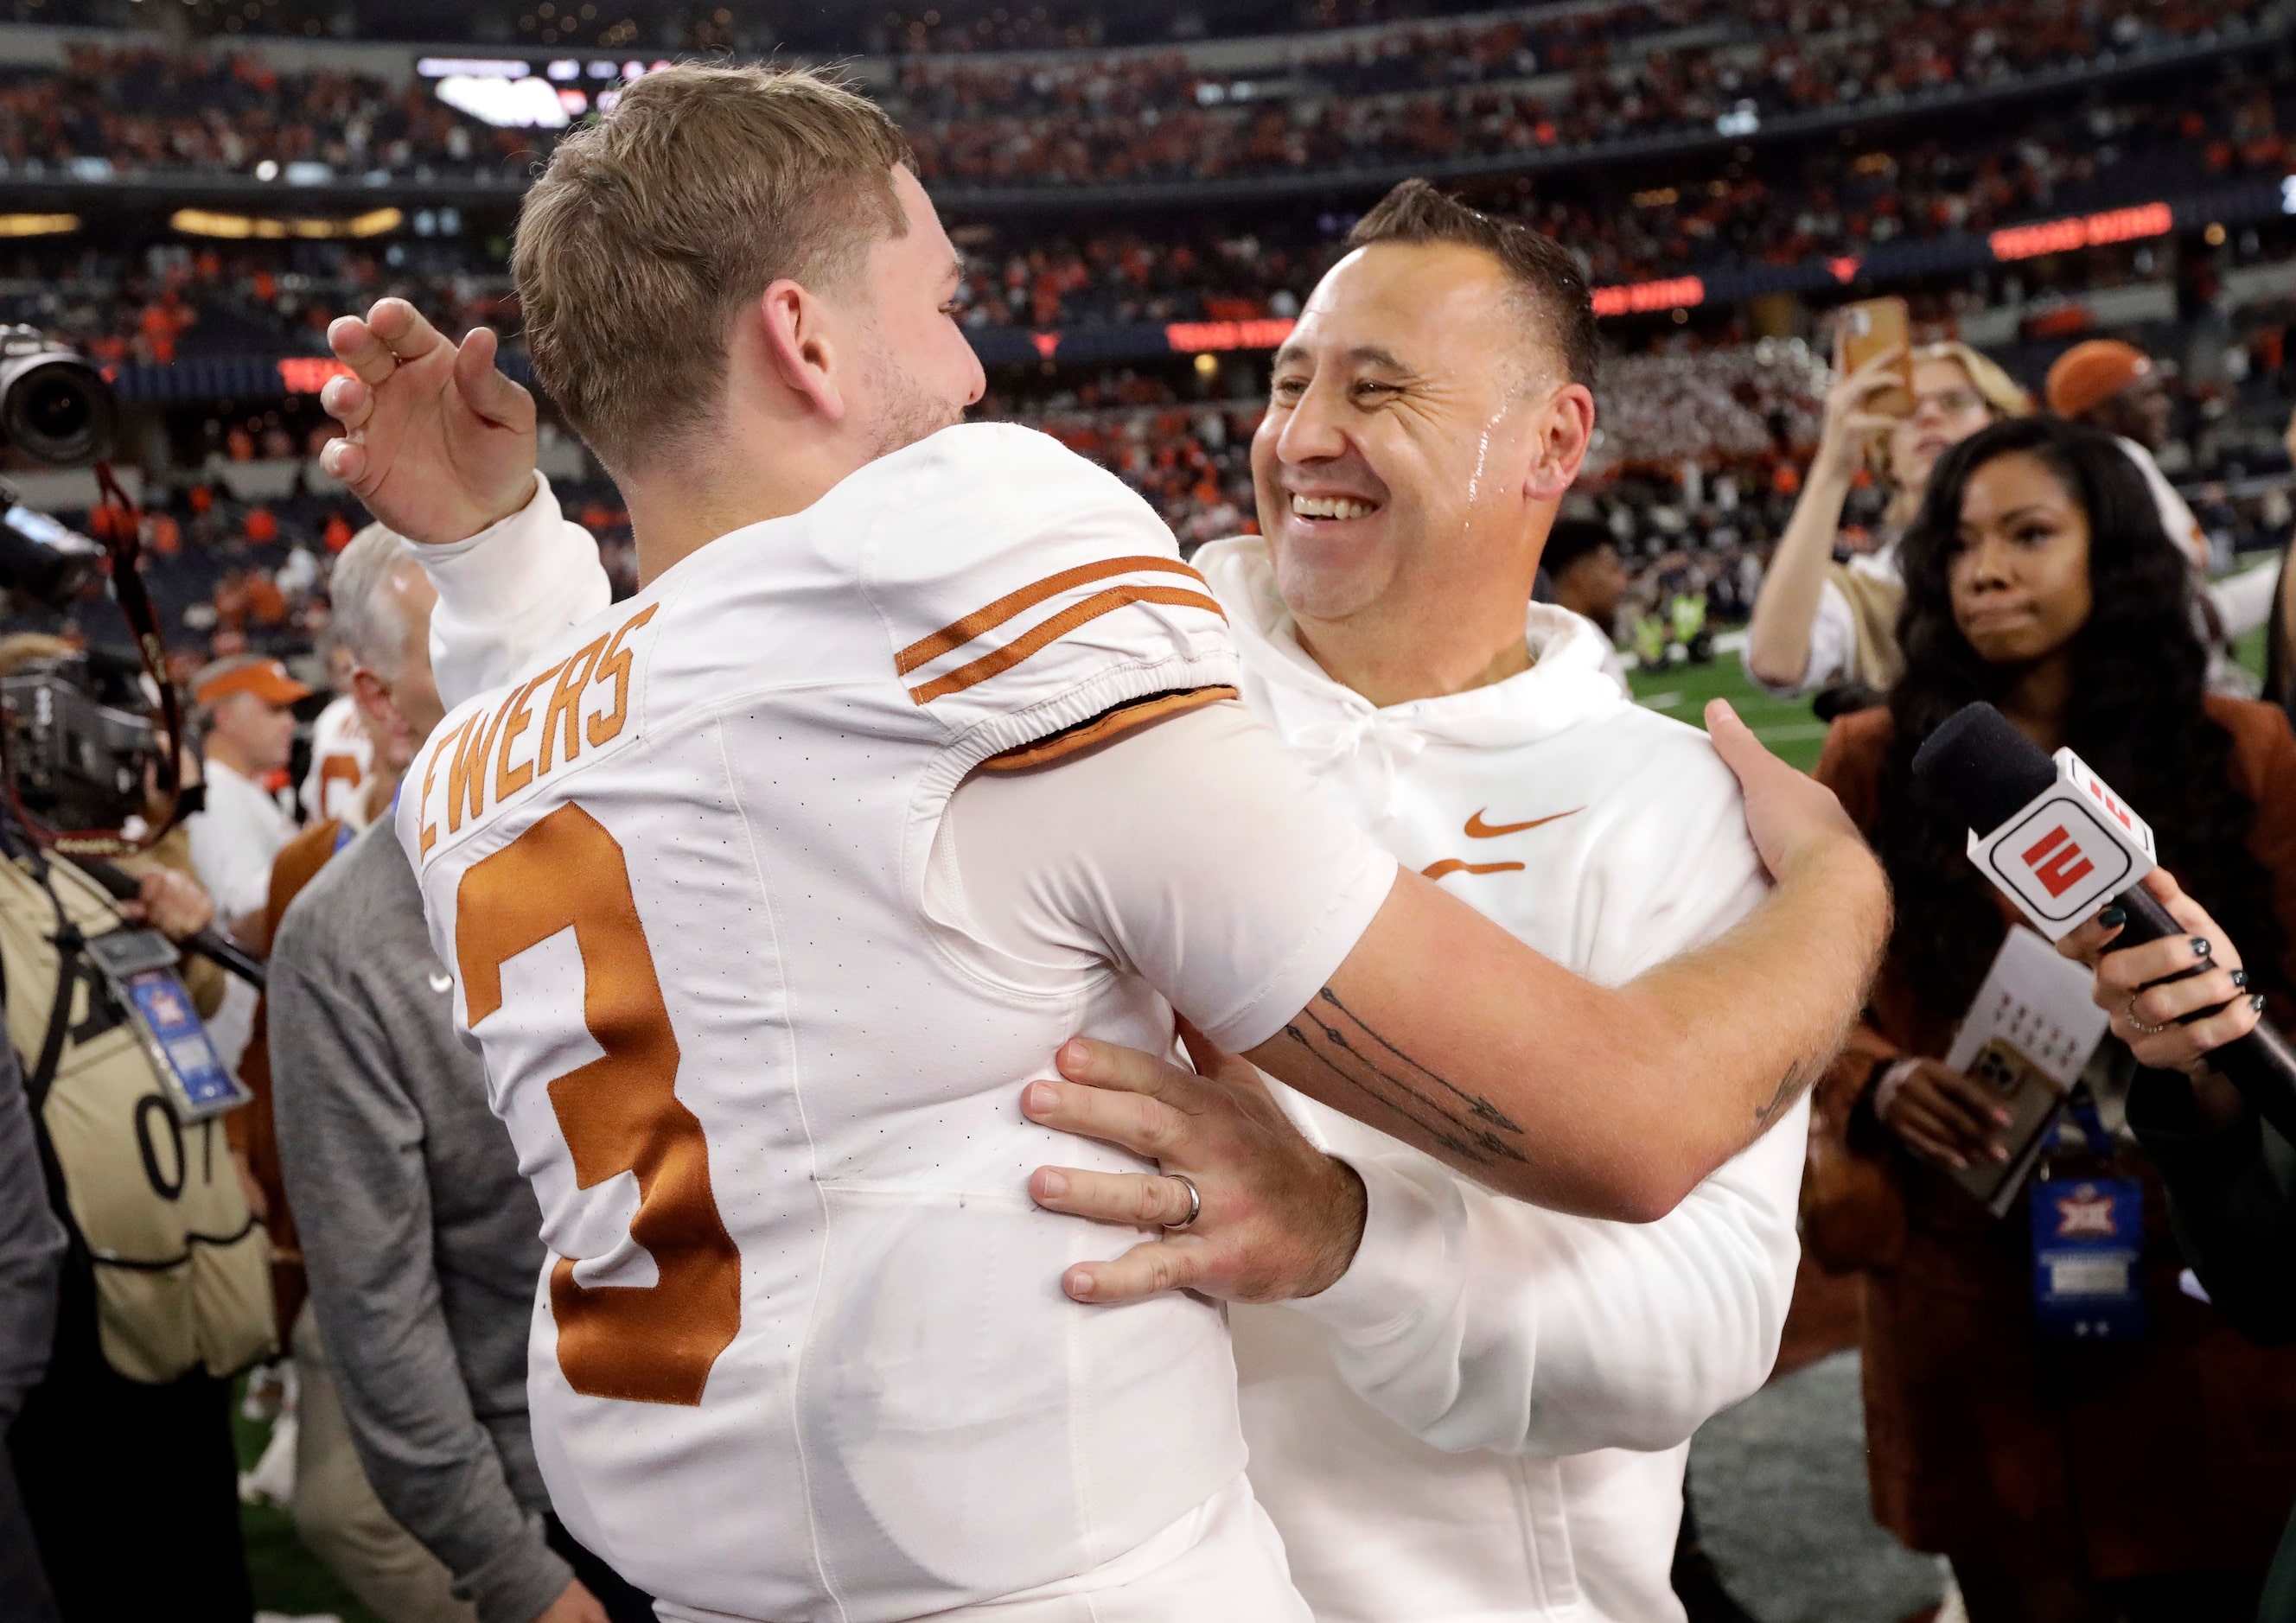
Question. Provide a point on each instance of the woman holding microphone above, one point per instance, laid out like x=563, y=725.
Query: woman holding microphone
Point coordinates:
x=2143, y=1474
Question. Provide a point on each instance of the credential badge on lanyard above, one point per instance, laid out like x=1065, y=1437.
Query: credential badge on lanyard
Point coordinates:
x=140, y=967
x=2088, y=1247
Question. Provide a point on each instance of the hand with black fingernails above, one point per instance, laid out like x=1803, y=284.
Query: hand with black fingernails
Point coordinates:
x=2175, y=1000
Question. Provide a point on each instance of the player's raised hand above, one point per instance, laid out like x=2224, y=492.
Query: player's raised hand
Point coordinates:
x=437, y=443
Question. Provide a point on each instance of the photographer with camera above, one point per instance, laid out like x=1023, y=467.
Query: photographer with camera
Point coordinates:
x=165, y=1292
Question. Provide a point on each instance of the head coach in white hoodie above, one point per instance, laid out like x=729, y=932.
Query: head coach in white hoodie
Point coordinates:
x=1485, y=1416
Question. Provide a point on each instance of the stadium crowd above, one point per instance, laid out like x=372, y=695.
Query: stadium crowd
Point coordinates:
x=195, y=297
x=1719, y=468
x=166, y=110
x=1142, y=121
x=1412, y=93
x=1696, y=468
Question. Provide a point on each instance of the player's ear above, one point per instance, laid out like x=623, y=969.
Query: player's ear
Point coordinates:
x=794, y=326
x=1561, y=433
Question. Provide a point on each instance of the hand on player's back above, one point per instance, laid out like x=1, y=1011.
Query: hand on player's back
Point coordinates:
x=1278, y=1219
x=437, y=444
x=1792, y=818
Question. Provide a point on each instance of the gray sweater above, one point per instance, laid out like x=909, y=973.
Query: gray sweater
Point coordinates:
x=420, y=1238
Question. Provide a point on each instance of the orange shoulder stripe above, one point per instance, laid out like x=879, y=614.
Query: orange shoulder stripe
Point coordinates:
x=1107, y=725
x=981, y=621
x=1049, y=631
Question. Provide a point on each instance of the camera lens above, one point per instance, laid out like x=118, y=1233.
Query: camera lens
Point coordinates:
x=56, y=409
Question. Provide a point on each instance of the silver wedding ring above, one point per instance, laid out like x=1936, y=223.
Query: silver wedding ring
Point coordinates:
x=1196, y=1203
x=2142, y=1028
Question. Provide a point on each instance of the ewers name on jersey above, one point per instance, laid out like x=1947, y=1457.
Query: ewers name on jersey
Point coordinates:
x=800, y=1350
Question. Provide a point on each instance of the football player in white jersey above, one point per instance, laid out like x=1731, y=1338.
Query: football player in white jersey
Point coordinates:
x=801, y=1352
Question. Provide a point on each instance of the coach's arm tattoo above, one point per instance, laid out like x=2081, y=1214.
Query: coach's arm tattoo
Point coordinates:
x=1789, y=1086
x=1471, y=1127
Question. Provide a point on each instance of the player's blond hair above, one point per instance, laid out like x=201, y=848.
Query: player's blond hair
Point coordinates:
x=651, y=227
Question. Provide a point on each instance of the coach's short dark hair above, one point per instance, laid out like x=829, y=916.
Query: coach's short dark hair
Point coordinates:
x=1553, y=288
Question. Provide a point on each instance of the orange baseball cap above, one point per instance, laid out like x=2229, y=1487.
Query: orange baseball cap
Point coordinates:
x=2089, y=373
x=266, y=679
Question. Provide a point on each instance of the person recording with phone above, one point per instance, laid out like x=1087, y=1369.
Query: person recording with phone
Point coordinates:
x=2065, y=1477
x=1818, y=624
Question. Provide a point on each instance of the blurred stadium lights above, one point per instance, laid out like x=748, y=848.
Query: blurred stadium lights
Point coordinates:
x=206, y=223
x=1185, y=337
x=38, y=225
x=508, y=104
x=308, y=374
x=471, y=68
x=504, y=91
x=1637, y=297
x=2083, y=231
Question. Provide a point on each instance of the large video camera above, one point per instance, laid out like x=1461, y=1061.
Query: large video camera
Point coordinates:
x=80, y=739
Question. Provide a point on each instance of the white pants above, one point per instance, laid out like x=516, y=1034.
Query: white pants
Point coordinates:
x=1222, y=1563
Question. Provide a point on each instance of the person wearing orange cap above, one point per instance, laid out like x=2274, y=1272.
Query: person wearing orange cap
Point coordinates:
x=2115, y=386
x=244, y=709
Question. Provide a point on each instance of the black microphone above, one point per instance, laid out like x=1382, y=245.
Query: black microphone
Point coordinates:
x=1990, y=772
x=207, y=943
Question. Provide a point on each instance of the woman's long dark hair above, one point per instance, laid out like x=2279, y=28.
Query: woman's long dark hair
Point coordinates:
x=2135, y=713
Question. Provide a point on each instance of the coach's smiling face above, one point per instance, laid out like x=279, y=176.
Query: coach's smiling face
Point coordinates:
x=1417, y=437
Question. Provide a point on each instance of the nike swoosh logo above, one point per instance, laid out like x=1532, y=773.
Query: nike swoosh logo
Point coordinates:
x=1477, y=829
x=442, y=983
x=1453, y=865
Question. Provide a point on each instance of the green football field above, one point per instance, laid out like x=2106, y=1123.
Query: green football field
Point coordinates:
x=1684, y=691
x=1784, y=724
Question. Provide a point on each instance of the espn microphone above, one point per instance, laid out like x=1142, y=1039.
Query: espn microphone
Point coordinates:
x=2060, y=844
x=207, y=943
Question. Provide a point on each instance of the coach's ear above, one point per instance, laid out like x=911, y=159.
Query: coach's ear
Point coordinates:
x=1560, y=435
x=795, y=326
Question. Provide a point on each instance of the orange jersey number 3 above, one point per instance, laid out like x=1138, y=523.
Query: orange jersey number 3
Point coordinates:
x=650, y=1344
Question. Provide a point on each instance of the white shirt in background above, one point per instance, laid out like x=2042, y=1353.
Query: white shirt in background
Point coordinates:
x=1487, y=1418
x=235, y=840
x=343, y=755
x=2176, y=519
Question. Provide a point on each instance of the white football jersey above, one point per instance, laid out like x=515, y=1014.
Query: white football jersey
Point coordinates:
x=342, y=756
x=800, y=1350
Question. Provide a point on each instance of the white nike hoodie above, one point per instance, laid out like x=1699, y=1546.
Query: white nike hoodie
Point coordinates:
x=1488, y=1418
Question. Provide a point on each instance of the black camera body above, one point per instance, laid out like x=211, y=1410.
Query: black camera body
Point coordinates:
x=79, y=735
x=80, y=739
